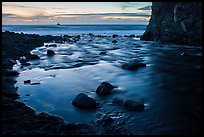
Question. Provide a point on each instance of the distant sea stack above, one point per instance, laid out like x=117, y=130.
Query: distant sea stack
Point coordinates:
x=175, y=22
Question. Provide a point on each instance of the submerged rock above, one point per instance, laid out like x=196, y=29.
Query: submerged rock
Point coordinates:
x=132, y=65
x=114, y=36
x=50, y=52
x=133, y=105
x=27, y=81
x=114, y=41
x=102, y=53
x=105, y=120
x=51, y=45
x=104, y=88
x=130, y=105
x=118, y=101
x=83, y=101
x=32, y=57
x=27, y=94
x=132, y=35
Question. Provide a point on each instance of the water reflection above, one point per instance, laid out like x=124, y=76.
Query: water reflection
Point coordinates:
x=170, y=84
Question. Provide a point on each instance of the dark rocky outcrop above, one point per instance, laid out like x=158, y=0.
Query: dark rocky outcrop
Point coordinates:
x=104, y=88
x=50, y=52
x=175, y=22
x=8, y=72
x=32, y=57
x=133, y=65
x=83, y=101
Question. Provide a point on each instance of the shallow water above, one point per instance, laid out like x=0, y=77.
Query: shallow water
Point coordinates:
x=170, y=85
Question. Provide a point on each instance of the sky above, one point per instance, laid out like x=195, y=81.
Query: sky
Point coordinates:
x=41, y=13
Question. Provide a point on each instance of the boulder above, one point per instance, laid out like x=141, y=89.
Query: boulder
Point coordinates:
x=118, y=101
x=133, y=105
x=104, y=88
x=26, y=64
x=83, y=101
x=22, y=60
x=32, y=57
x=132, y=65
x=50, y=52
x=27, y=81
x=114, y=41
x=130, y=105
x=114, y=36
x=132, y=35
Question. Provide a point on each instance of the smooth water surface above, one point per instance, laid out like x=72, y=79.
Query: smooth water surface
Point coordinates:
x=73, y=29
x=170, y=85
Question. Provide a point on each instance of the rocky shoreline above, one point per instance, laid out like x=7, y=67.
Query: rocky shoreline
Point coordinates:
x=19, y=119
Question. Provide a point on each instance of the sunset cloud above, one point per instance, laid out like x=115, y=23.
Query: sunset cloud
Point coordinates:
x=23, y=13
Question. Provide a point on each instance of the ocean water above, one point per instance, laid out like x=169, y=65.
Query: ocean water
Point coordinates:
x=170, y=85
x=76, y=29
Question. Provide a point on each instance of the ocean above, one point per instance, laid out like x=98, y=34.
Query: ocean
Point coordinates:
x=57, y=30
x=170, y=85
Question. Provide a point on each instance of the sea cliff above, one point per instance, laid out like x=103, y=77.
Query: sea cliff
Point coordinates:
x=175, y=22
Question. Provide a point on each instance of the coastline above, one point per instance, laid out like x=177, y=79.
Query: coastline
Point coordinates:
x=19, y=119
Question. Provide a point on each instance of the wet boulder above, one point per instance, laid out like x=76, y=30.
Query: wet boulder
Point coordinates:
x=32, y=57
x=83, y=101
x=132, y=36
x=105, y=120
x=22, y=60
x=50, y=52
x=130, y=105
x=104, y=88
x=118, y=101
x=26, y=81
x=114, y=41
x=114, y=36
x=133, y=105
x=132, y=65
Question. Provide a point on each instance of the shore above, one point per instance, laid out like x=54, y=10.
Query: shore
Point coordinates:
x=19, y=119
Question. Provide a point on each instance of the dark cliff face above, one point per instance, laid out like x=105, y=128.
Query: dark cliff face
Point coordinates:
x=175, y=22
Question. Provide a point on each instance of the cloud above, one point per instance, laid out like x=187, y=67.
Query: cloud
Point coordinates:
x=126, y=5
x=108, y=14
x=7, y=15
x=19, y=6
x=93, y=18
x=145, y=8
